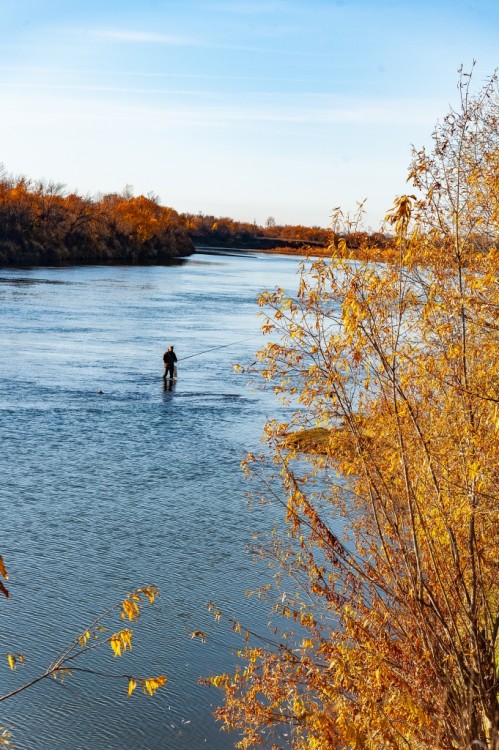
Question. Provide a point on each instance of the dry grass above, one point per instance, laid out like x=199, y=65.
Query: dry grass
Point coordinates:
x=315, y=440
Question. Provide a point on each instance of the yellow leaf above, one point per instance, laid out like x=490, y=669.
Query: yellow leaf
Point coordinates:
x=151, y=684
x=219, y=680
x=132, y=684
x=121, y=641
x=84, y=638
x=199, y=634
x=130, y=610
x=14, y=660
x=151, y=592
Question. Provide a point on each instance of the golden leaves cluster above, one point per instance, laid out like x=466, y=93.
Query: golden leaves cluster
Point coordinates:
x=149, y=685
x=131, y=606
x=390, y=534
x=96, y=636
x=121, y=641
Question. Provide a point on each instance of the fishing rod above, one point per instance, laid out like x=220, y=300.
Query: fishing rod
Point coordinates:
x=223, y=346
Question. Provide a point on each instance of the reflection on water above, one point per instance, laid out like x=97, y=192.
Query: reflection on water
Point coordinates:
x=113, y=478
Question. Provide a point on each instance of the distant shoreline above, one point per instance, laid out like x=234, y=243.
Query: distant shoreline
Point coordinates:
x=374, y=255
x=302, y=251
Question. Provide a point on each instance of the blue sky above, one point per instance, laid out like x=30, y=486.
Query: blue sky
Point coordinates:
x=240, y=108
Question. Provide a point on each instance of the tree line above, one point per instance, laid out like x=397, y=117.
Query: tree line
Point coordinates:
x=40, y=224
x=227, y=232
x=215, y=231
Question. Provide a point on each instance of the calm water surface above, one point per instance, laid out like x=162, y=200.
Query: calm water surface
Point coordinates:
x=104, y=492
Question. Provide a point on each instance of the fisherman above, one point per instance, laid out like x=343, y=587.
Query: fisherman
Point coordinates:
x=169, y=359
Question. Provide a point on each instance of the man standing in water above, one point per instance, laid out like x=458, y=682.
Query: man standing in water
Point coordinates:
x=169, y=359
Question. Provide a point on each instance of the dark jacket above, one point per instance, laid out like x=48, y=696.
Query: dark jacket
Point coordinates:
x=169, y=357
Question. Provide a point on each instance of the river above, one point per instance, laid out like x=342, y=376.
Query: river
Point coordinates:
x=110, y=482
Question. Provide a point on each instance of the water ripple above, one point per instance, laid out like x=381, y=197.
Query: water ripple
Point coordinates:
x=109, y=482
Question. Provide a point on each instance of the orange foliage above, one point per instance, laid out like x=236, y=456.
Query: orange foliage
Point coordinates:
x=40, y=224
x=386, y=617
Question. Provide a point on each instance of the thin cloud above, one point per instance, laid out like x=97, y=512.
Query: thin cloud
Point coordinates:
x=251, y=8
x=153, y=37
x=216, y=110
x=143, y=37
x=145, y=74
x=100, y=88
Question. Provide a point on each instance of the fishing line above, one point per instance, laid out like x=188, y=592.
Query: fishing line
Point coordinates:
x=223, y=346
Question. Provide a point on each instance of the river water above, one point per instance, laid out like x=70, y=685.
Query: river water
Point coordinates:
x=110, y=482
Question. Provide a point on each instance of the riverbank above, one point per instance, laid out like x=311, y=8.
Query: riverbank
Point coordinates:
x=42, y=225
x=370, y=254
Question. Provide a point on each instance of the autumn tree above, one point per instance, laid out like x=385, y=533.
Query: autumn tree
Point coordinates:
x=388, y=573
x=40, y=224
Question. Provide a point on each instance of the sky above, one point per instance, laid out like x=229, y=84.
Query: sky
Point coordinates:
x=242, y=108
